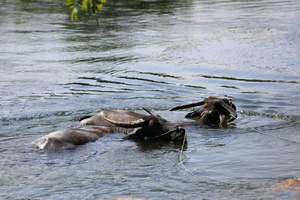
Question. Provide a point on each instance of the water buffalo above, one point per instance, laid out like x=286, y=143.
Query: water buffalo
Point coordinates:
x=135, y=125
x=213, y=111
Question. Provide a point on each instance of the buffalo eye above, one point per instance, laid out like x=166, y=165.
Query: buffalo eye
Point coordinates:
x=151, y=123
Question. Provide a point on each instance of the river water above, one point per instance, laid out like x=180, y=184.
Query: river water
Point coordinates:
x=155, y=54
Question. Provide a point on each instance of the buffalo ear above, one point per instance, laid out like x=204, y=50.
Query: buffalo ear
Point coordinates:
x=233, y=106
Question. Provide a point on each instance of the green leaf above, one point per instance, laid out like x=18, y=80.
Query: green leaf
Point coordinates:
x=99, y=6
x=70, y=2
x=92, y=6
x=84, y=4
x=74, y=14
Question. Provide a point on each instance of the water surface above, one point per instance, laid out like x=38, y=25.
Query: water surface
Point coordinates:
x=154, y=54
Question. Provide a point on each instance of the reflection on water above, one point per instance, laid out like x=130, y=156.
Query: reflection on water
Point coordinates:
x=153, y=54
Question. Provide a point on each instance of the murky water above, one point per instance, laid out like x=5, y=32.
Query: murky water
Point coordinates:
x=154, y=54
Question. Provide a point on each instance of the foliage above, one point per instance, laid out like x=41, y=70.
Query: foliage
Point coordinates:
x=92, y=6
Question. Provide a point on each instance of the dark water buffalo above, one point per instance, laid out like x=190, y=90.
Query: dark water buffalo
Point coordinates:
x=135, y=125
x=213, y=111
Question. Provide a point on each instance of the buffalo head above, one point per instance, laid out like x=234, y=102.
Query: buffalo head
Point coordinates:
x=213, y=111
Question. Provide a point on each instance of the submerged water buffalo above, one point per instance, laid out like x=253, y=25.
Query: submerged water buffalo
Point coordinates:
x=213, y=111
x=135, y=125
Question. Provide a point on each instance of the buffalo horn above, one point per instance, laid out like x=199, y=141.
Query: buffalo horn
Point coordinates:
x=130, y=124
x=198, y=103
x=230, y=110
x=148, y=111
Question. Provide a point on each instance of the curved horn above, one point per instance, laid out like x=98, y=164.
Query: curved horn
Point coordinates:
x=148, y=111
x=151, y=113
x=230, y=110
x=131, y=124
x=198, y=103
